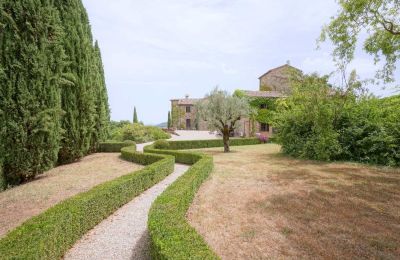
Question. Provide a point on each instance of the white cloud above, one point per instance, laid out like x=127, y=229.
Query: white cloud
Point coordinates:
x=156, y=50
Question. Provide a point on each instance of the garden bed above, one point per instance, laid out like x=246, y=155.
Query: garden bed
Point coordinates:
x=23, y=202
x=50, y=234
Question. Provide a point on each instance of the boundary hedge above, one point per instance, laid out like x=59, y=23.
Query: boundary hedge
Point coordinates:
x=114, y=147
x=171, y=235
x=50, y=234
x=195, y=144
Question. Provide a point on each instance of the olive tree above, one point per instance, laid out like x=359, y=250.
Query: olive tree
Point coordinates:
x=222, y=112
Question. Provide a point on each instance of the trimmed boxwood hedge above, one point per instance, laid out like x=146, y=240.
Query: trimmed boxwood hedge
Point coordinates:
x=195, y=144
x=50, y=234
x=171, y=235
x=114, y=147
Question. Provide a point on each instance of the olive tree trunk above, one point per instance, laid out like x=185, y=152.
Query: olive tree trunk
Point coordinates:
x=225, y=135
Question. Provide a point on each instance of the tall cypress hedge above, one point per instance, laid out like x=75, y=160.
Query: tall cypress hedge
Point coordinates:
x=78, y=95
x=53, y=98
x=31, y=64
x=102, y=116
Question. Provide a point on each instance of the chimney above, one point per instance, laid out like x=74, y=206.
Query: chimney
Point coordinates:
x=187, y=96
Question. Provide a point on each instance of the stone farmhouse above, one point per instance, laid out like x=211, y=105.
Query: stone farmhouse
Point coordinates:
x=275, y=83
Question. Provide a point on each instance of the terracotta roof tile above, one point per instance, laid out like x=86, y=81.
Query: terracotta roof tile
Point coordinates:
x=272, y=94
x=187, y=101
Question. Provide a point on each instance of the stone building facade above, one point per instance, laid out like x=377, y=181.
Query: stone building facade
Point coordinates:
x=184, y=115
x=279, y=79
x=274, y=84
x=250, y=127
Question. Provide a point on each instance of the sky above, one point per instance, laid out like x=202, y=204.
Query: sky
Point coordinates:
x=157, y=50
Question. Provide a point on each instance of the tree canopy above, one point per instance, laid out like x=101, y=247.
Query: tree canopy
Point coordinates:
x=379, y=20
x=53, y=98
x=321, y=122
x=222, y=112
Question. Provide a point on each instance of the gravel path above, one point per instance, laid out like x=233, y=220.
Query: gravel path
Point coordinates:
x=124, y=234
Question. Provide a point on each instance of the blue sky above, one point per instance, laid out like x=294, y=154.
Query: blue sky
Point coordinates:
x=155, y=50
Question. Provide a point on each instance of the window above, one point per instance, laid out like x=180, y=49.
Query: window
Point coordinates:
x=264, y=127
x=187, y=109
x=262, y=106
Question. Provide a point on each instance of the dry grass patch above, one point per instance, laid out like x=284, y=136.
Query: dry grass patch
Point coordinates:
x=259, y=204
x=21, y=203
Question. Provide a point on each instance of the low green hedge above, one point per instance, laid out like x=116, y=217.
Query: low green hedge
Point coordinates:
x=195, y=144
x=171, y=235
x=180, y=156
x=114, y=147
x=50, y=234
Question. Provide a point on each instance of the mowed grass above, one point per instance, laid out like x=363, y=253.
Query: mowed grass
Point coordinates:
x=259, y=204
x=20, y=203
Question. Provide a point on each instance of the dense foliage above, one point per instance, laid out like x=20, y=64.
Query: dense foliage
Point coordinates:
x=50, y=234
x=323, y=123
x=83, y=77
x=53, y=99
x=114, y=146
x=377, y=22
x=124, y=130
x=31, y=64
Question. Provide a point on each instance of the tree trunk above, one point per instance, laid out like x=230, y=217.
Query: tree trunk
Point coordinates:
x=225, y=134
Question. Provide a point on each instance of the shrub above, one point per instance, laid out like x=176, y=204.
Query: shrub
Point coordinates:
x=50, y=234
x=263, y=138
x=114, y=147
x=196, y=144
x=161, y=144
x=138, y=133
x=322, y=123
x=171, y=235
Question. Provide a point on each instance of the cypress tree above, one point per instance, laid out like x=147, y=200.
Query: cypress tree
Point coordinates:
x=102, y=116
x=135, y=117
x=31, y=63
x=169, y=120
x=78, y=94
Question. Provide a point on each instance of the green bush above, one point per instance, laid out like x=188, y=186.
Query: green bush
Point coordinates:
x=197, y=144
x=323, y=123
x=50, y=234
x=114, y=147
x=171, y=235
x=137, y=132
x=161, y=144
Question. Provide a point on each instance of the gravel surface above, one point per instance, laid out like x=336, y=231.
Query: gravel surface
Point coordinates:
x=124, y=234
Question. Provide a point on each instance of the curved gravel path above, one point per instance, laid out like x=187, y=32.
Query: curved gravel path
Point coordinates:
x=124, y=234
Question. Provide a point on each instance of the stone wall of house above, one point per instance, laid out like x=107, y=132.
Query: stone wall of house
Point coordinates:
x=278, y=79
x=179, y=117
x=249, y=129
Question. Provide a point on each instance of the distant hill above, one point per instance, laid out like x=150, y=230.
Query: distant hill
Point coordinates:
x=162, y=125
